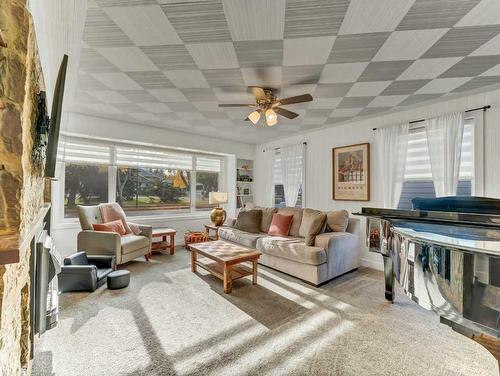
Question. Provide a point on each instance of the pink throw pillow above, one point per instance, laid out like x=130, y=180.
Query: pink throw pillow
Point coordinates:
x=280, y=225
x=113, y=226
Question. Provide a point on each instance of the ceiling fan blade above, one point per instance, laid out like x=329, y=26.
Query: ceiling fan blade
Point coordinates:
x=297, y=99
x=235, y=105
x=286, y=113
x=258, y=92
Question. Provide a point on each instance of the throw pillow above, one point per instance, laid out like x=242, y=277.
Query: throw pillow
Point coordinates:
x=311, y=225
x=337, y=220
x=267, y=217
x=112, y=212
x=280, y=225
x=249, y=221
x=113, y=226
x=297, y=219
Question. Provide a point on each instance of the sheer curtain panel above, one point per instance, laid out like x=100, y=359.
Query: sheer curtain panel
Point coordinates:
x=291, y=166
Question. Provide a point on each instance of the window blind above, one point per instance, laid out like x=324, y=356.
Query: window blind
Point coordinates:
x=418, y=165
x=78, y=151
x=278, y=173
x=208, y=164
x=136, y=157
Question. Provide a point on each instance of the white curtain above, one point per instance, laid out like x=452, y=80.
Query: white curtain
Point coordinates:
x=392, y=143
x=268, y=191
x=444, y=140
x=291, y=167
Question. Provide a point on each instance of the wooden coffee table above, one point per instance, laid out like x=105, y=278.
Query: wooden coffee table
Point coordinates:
x=222, y=259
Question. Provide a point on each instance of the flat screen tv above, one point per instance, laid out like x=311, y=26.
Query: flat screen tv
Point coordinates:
x=55, y=120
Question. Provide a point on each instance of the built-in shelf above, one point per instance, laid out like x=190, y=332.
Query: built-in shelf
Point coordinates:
x=244, y=185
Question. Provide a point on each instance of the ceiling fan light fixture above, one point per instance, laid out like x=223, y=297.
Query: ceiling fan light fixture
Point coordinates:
x=271, y=117
x=254, y=117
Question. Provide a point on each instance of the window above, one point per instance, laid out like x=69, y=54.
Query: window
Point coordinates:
x=143, y=181
x=279, y=190
x=418, y=175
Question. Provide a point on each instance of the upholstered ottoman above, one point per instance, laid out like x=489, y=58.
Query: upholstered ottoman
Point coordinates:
x=118, y=279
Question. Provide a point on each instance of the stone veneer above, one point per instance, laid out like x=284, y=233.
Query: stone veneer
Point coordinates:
x=21, y=181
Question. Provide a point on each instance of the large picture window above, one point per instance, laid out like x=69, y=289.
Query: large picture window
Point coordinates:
x=143, y=181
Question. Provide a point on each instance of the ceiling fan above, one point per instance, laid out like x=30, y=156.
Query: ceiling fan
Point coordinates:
x=266, y=101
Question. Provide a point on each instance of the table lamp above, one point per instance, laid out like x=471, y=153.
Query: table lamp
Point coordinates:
x=218, y=215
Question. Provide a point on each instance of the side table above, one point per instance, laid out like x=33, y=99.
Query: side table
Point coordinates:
x=162, y=245
x=211, y=227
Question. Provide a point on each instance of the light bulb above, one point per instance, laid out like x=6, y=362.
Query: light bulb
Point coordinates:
x=254, y=117
x=271, y=117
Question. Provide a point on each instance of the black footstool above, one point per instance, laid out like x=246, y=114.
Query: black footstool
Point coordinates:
x=118, y=279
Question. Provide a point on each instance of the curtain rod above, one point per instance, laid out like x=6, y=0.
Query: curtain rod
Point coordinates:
x=484, y=108
x=264, y=150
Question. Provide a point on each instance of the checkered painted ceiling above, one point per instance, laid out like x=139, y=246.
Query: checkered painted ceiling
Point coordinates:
x=168, y=63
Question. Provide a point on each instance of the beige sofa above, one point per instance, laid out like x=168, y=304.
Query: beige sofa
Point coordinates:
x=124, y=248
x=333, y=253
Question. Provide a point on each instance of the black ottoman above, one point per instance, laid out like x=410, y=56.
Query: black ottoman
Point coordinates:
x=118, y=279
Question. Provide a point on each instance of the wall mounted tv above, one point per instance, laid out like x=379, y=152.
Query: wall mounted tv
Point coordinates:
x=55, y=120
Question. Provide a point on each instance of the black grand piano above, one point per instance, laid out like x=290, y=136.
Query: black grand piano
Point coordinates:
x=445, y=253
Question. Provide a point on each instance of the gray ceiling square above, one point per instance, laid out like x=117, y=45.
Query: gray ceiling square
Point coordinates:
x=223, y=77
x=170, y=57
x=181, y=106
x=472, y=66
x=307, y=18
x=215, y=115
x=168, y=116
x=113, y=3
x=138, y=96
x=82, y=97
x=332, y=90
x=191, y=116
x=318, y=113
x=198, y=22
x=404, y=87
x=357, y=47
x=373, y=110
x=461, y=41
x=432, y=14
x=199, y=95
x=101, y=31
x=252, y=54
x=92, y=61
x=89, y=83
x=150, y=80
x=355, y=102
x=337, y=120
x=299, y=75
x=417, y=98
x=477, y=83
x=128, y=108
x=384, y=70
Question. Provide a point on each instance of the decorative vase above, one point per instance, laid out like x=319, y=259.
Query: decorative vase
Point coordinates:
x=218, y=216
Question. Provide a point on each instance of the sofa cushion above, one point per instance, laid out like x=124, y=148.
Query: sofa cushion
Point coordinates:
x=297, y=219
x=280, y=225
x=338, y=239
x=292, y=249
x=337, y=220
x=88, y=215
x=240, y=237
x=249, y=221
x=131, y=243
x=311, y=225
x=267, y=218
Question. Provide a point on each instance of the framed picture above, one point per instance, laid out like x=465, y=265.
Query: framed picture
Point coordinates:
x=351, y=172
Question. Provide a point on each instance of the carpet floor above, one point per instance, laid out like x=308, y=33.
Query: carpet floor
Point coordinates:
x=170, y=321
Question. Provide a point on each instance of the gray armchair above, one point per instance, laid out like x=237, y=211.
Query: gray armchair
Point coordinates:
x=124, y=248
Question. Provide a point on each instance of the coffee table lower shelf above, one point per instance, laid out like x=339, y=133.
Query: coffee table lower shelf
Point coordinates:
x=216, y=268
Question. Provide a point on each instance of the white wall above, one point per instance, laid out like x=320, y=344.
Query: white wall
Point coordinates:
x=64, y=234
x=321, y=142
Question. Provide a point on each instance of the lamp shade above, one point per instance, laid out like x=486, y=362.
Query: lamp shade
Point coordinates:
x=217, y=198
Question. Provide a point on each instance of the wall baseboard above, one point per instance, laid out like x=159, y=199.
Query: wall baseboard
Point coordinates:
x=377, y=265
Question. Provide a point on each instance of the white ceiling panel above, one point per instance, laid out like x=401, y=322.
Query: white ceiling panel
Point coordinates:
x=408, y=44
x=387, y=100
x=168, y=95
x=145, y=25
x=443, y=85
x=185, y=79
x=155, y=107
x=128, y=59
x=117, y=81
x=487, y=12
x=367, y=89
x=347, y=72
x=492, y=47
x=265, y=76
x=495, y=71
x=256, y=19
x=110, y=96
x=373, y=16
x=307, y=51
x=428, y=68
x=324, y=103
x=214, y=55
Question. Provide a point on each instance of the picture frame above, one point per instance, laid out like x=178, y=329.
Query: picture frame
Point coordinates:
x=351, y=172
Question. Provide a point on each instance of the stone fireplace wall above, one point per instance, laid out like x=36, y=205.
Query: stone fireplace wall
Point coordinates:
x=21, y=179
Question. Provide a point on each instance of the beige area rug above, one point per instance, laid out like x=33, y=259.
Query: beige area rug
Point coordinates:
x=170, y=321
